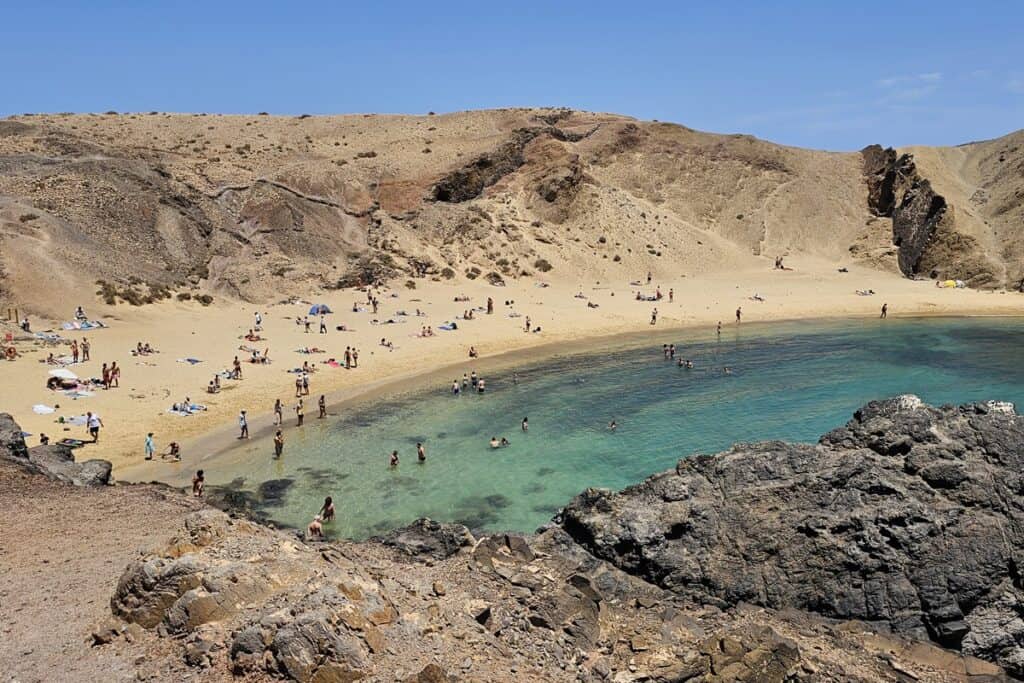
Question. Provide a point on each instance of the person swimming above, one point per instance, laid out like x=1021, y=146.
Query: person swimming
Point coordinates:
x=495, y=443
x=613, y=425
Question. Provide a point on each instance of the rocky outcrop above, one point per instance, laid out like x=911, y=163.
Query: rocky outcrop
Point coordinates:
x=897, y=191
x=54, y=461
x=471, y=180
x=425, y=537
x=909, y=517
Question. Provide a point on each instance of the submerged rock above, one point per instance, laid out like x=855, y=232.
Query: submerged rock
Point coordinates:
x=909, y=518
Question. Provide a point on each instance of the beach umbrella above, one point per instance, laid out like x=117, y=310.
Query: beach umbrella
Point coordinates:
x=63, y=373
x=320, y=309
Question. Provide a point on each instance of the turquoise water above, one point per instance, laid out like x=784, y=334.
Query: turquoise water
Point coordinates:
x=791, y=382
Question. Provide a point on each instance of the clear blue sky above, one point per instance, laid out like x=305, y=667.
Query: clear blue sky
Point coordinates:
x=835, y=75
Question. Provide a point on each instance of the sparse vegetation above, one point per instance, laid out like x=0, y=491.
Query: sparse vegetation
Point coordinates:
x=447, y=273
x=543, y=265
x=473, y=273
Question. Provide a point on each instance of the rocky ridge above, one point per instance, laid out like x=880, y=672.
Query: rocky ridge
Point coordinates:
x=909, y=517
x=145, y=206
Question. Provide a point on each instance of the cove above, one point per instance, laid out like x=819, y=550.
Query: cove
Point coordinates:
x=790, y=381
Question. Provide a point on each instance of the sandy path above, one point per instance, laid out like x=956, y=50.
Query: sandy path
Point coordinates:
x=151, y=384
x=63, y=550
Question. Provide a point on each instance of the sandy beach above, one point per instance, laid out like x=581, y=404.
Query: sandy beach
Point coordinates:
x=151, y=384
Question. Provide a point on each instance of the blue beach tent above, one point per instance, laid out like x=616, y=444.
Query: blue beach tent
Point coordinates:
x=320, y=309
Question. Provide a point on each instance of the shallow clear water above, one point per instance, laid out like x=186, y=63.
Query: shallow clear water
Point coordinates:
x=791, y=382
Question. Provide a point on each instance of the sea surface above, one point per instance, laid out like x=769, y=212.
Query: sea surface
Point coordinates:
x=790, y=381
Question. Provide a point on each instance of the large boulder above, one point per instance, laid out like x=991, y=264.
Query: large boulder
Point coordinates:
x=54, y=461
x=427, y=538
x=909, y=517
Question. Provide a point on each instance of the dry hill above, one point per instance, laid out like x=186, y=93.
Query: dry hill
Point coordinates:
x=257, y=207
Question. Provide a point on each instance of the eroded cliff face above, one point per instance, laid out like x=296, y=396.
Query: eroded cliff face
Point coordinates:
x=924, y=225
x=909, y=517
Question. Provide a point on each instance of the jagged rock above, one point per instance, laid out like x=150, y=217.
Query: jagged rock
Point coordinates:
x=54, y=461
x=909, y=517
x=429, y=538
x=431, y=673
x=12, y=443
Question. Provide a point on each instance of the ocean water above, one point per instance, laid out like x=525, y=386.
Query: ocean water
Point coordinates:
x=793, y=381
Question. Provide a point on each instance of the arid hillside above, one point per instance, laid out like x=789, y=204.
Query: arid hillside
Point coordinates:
x=259, y=207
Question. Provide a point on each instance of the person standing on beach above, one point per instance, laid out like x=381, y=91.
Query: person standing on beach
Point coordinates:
x=885, y=311
x=654, y=316
x=198, y=483
x=305, y=384
x=348, y=357
x=490, y=305
x=93, y=422
x=648, y=277
x=278, y=443
x=322, y=404
x=300, y=413
x=355, y=358
x=739, y=314
x=671, y=294
x=278, y=412
x=74, y=351
x=105, y=375
x=115, y=375
x=527, y=323
x=323, y=325
x=259, y=321
x=243, y=426
x=298, y=386
x=421, y=453
x=85, y=349
x=150, y=447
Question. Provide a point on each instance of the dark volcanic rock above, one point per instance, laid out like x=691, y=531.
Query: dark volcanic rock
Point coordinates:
x=54, y=461
x=428, y=538
x=909, y=517
x=896, y=190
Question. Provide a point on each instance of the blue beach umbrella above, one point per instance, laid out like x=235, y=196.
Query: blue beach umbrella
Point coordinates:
x=320, y=309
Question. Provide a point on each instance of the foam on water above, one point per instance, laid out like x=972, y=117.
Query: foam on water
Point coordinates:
x=789, y=382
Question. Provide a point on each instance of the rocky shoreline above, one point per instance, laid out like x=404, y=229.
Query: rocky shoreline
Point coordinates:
x=769, y=562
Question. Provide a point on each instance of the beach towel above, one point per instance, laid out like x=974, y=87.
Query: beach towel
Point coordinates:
x=75, y=420
x=48, y=336
x=190, y=361
x=41, y=409
x=72, y=443
x=78, y=393
x=447, y=327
